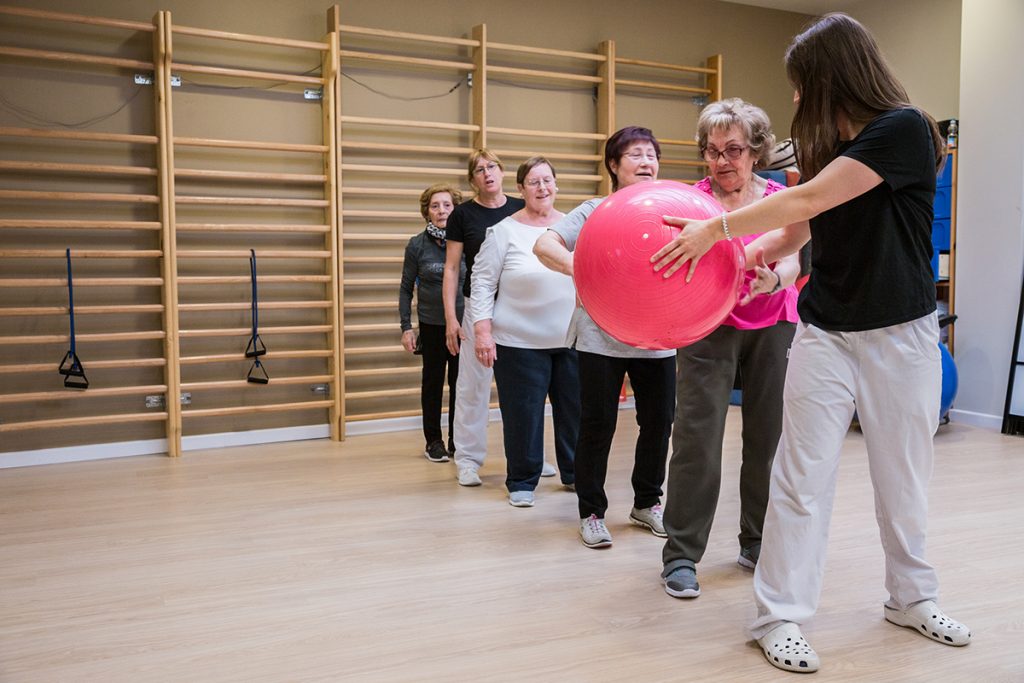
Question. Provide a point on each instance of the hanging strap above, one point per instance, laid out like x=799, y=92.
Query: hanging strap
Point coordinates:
x=71, y=366
x=256, y=348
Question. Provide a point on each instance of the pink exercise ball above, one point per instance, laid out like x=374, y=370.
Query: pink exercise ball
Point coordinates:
x=616, y=281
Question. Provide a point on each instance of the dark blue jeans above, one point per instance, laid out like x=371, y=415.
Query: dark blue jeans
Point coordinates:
x=524, y=377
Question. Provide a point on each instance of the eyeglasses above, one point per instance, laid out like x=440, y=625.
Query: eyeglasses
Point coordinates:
x=640, y=156
x=732, y=153
x=489, y=168
x=540, y=181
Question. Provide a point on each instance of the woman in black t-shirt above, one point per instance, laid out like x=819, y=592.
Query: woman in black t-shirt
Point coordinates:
x=868, y=336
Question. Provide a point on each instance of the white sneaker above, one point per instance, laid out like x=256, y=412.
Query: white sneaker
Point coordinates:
x=649, y=518
x=521, y=499
x=548, y=470
x=594, y=533
x=469, y=477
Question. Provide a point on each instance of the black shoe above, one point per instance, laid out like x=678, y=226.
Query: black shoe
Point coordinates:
x=749, y=556
x=451, y=450
x=436, y=452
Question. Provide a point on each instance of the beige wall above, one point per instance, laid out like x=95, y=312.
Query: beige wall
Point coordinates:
x=921, y=40
x=751, y=41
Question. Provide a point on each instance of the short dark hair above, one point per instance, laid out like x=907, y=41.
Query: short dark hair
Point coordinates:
x=620, y=141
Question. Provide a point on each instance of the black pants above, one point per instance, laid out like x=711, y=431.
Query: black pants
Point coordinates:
x=435, y=359
x=706, y=373
x=601, y=379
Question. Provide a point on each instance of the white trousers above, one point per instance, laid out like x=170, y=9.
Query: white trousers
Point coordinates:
x=472, y=403
x=892, y=376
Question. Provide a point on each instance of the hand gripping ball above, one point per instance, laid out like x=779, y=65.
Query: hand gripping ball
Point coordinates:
x=616, y=281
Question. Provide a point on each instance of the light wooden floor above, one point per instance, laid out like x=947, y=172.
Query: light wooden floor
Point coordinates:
x=319, y=561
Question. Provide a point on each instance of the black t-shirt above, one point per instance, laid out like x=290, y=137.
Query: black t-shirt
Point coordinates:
x=872, y=255
x=468, y=224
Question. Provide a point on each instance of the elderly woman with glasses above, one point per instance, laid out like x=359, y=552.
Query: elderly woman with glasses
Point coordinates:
x=522, y=335
x=466, y=228
x=631, y=156
x=734, y=137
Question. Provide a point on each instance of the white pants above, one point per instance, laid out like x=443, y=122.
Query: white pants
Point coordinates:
x=892, y=377
x=472, y=404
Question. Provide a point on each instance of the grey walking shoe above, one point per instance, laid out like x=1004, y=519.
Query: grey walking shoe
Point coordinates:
x=682, y=583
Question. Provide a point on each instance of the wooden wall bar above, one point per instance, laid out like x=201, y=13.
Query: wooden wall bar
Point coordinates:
x=161, y=247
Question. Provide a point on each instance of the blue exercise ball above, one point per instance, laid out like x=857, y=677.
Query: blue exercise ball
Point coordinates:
x=950, y=381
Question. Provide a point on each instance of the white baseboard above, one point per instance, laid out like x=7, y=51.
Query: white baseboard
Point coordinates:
x=401, y=424
x=124, y=449
x=982, y=420
x=255, y=436
x=52, y=456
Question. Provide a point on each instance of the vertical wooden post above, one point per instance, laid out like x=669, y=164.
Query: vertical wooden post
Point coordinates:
x=329, y=109
x=480, y=85
x=713, y=82
x=605, y=109
x=332, y=111
x=169, y=264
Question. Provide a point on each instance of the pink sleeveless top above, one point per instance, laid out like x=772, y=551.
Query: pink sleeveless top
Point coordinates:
x=765, y=310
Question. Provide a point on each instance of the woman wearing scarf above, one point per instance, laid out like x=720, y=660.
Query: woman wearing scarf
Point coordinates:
x=424, y=269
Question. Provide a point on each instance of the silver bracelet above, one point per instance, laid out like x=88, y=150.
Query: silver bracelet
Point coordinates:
x=725, y=228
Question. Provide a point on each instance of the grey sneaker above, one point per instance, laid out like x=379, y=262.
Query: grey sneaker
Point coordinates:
x=548, y=470
x=594, y=533
x=436, y=452
x=521, y=499
x=749, y=556
x=682, y=583
x=469, y=477
x=649, y=518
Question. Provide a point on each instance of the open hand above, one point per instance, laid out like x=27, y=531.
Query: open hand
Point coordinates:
x=694, y=240
x=764, y=282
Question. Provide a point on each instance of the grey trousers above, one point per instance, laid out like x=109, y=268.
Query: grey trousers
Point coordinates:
x=705, y=372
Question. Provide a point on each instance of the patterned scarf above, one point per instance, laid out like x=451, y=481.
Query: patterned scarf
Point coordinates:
x=437, y=233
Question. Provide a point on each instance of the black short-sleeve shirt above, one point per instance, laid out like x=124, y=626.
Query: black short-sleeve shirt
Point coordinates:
x=872, y=255
x=468, y=224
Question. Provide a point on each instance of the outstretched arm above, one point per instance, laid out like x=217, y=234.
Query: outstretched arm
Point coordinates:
x=840, y=181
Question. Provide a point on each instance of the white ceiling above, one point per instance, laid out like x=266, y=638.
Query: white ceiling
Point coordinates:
x=801, y=6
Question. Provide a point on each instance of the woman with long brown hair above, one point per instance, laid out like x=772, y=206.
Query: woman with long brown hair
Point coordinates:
x=867, y=337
